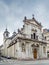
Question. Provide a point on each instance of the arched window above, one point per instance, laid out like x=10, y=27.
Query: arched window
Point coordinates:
x=23, y=47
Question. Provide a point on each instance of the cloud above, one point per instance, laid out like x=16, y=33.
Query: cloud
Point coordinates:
x=9, y=16
x=13, y=11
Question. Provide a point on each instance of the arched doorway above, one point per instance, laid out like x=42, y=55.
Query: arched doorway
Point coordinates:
x=35, y=53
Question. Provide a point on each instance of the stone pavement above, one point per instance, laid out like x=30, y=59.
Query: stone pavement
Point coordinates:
x=5, y=61
x=24, y=63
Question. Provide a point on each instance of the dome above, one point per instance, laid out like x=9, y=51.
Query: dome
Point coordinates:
x=6, y=31
x=14, y=33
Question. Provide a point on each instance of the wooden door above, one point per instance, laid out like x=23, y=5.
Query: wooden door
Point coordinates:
x=35, y=54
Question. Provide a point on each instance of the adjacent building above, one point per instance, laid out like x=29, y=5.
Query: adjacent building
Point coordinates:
x=46, y=35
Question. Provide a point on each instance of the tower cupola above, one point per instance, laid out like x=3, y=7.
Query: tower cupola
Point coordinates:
x=6, y=33
x=14, y=33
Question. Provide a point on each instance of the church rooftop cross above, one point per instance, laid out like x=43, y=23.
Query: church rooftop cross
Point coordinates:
x=33, y=15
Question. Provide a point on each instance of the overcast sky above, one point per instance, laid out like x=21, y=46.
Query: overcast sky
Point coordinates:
x=12, y=13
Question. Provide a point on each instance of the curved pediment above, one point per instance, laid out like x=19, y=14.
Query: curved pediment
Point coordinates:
x=33, y=45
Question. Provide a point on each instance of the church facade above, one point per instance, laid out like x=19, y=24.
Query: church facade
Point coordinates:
x=28, y=43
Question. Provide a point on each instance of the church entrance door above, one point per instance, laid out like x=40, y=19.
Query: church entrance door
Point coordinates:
x=35, y=53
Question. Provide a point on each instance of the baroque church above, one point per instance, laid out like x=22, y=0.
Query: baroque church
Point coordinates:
x=28, y=43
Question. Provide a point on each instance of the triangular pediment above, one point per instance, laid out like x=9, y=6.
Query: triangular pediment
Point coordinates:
x=32, y=21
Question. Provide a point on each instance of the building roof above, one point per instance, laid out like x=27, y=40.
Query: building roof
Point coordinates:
x=45, y=30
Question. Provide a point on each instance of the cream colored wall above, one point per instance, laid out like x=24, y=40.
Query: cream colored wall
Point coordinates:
x=29, y=52
x=15, y=50
x=9, y=52
x=12, y=51
x=5, y=47
x=2, y=51
x=28, y=30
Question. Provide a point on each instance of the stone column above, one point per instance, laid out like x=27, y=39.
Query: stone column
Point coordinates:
x=27, y=50
x=40, y=51
x=45, y=51
x=18, y=49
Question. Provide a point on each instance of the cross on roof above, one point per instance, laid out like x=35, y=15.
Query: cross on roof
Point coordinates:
x=33, y=15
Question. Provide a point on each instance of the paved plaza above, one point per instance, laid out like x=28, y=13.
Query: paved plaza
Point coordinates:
x=5, y=61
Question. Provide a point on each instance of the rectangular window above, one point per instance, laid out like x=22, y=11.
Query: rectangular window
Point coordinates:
x=33, y=36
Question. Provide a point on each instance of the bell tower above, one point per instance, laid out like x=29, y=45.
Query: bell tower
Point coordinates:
x=6, y=33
